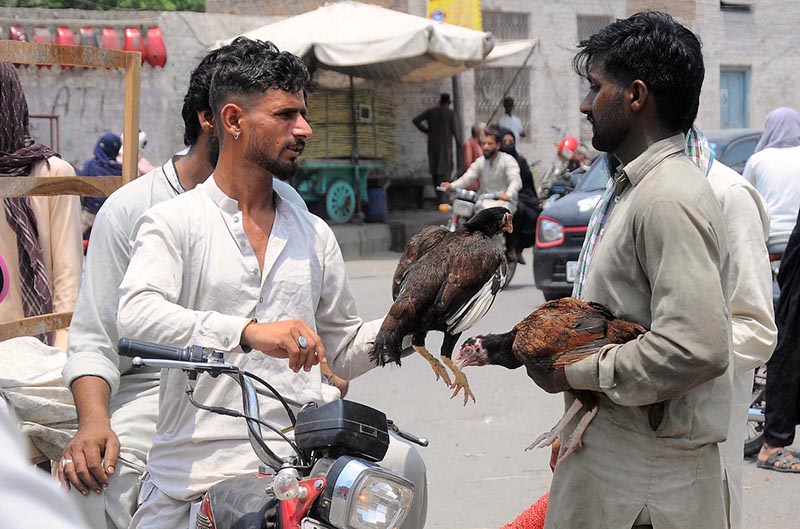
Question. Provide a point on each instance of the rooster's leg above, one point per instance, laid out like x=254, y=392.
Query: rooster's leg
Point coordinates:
x=548, y=438
x=575, y=439
x=438, y=368
x=460, y=381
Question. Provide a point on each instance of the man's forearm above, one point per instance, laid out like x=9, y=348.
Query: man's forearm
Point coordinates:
x=92, y=396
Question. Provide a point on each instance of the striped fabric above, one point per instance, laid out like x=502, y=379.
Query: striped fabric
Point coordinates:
x=697, y=149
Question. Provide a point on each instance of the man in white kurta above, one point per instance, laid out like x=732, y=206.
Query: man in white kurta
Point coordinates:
x=753, y=326
x=231, y=264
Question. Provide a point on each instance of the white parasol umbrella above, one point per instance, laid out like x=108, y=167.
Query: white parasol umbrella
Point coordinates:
x=371, y=42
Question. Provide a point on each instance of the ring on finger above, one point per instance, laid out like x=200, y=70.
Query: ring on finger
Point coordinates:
x=302, y=342
x=65, y=462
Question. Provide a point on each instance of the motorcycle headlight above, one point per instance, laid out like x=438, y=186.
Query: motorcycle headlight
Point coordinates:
x=361, y=495
x=549, y=231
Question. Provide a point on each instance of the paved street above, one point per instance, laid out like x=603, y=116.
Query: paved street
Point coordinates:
x=478, y=474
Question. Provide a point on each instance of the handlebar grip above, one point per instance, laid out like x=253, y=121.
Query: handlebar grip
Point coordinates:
x=130, y=347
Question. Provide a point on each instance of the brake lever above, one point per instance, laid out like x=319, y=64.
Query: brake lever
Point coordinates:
x=421, y=441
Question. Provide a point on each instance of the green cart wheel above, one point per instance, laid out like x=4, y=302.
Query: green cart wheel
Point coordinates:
x=340, y=202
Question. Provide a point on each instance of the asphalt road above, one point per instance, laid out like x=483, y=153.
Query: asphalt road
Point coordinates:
x=478, y=474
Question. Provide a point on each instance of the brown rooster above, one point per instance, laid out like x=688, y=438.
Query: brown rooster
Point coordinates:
x=445, y=281
x=557, y=334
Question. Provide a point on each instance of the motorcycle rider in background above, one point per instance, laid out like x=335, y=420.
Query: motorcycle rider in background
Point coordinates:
x=495, y=172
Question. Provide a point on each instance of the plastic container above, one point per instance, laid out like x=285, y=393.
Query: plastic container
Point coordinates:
x=134, y=41
x=376, y=206
x=109, y=39
x=346, y=427
x=87, y=37
x=154, y=49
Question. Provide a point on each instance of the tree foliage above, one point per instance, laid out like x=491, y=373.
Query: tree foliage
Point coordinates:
x=108, y=5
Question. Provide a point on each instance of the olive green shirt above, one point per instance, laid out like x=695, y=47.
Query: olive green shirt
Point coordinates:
x=650, y=455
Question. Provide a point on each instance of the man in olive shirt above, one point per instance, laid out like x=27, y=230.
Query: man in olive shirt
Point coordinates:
x=656, y=254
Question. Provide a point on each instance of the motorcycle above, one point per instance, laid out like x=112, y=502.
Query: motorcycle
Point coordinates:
x=333, y=481
x=465, y=204
x=758, y=401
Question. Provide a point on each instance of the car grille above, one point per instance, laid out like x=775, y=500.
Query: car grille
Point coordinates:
x=574, y=238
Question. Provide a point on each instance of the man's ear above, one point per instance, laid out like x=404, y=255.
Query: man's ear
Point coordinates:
x=230, y=115
x=206, y=119
x=636, y=96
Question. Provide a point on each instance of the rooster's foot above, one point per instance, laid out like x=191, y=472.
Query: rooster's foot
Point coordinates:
x=460, y=382
x=438, y=368
x=575, y=439
x=547, y=439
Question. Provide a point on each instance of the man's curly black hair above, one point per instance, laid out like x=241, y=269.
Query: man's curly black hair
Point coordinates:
x=255, y=67
x=270, y=69
x=653, y=47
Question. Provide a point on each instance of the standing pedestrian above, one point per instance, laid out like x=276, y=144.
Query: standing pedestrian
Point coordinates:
x=439, y=124
x=40, y=236
x=511, y=121
x=774, y=170
x=102, y=163
x=782, y=413
x=656, y=253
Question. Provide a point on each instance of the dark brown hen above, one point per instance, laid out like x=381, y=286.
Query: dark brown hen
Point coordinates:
x=445, y=281
x=557, y=334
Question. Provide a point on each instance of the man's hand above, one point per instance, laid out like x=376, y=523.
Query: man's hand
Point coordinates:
x=553, y=381
x=282, y=339
x=445, y=185
x=504, y=196
x=90, y=458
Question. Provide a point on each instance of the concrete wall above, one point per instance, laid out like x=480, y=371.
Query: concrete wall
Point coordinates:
x=89, y=102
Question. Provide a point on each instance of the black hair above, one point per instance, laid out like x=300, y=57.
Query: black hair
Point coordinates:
x=508, y=100
x=653, y=47
x=444, y=99
x=494, y=133
x=239, y=52
x=256, y=67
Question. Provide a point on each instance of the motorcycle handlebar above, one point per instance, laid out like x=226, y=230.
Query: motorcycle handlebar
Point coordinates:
x=130, y=347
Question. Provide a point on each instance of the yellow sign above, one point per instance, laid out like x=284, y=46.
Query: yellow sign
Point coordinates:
x=466, y=13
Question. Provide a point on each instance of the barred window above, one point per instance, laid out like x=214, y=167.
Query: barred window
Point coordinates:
x=506, y=25
x=490, y=84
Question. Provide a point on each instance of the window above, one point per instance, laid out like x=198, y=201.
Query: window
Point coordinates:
x=490, y=84
x=506, y=25
x=734, y=97
x=737, y=6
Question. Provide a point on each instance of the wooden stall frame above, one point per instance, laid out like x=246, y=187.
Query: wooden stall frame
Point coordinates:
x=87, y=57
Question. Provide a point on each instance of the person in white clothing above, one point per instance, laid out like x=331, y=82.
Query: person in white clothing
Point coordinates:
x=510, y=121
x=495, y=172
x=244, y=270
x=753, y=330
x=29, y=498
x=774, y=170
x=117, y=406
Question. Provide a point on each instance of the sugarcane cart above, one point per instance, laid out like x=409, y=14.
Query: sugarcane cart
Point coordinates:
x=354, y=138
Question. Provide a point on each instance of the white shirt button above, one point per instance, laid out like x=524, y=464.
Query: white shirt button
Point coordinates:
x=254, y=271
x=226, y=341
x=261, y=299
x=235, y=219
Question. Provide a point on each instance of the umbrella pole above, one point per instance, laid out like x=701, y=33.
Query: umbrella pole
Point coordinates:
x=459, y=121
x=356, y=168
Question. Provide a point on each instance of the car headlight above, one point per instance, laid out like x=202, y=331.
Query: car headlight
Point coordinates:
x=361, y=495
x=549, y=231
